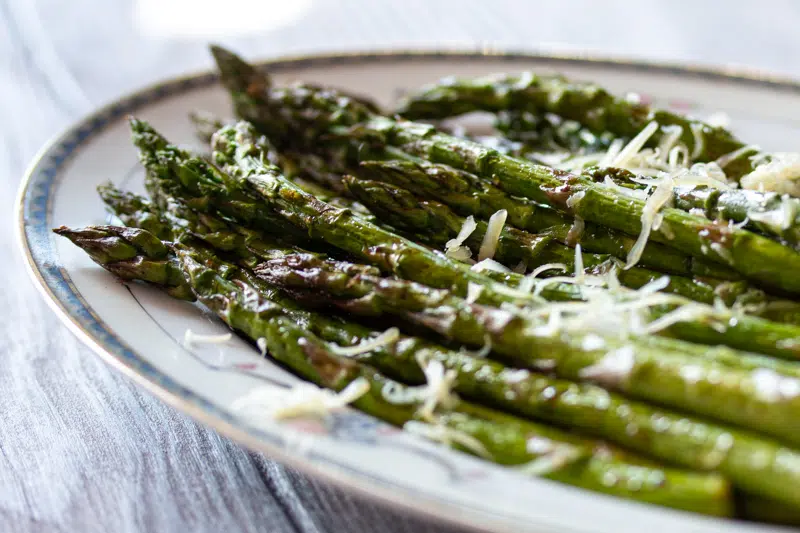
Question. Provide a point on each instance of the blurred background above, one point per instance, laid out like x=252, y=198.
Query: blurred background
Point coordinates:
x=70, y=427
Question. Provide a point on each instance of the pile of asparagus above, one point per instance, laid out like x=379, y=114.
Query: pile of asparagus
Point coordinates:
x=520, y=334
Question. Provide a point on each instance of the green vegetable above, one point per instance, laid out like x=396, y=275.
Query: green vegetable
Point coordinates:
x=245, y=303
x=500, y=438
x=650, y=373
x=310, y=116
x=586, y=103
x=131, y=255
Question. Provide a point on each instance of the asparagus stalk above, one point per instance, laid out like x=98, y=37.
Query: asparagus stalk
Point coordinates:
x=280, y=202
x=633, y=367
x=240, y=299
x=307, y=116
x=360, y=238
x=550, y=133
x=130, y=255
x=772, y=214
x=755, y=257
x=251, y=247
x=135, y=210
x=503, y=439
x=467, y=195
x=586, y=103
x=389, y=252
x=437, y=224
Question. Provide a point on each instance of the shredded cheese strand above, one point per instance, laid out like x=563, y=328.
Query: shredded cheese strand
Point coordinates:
x=438, y=432
x=778, y=172
x=302, y=400
x=613, y=369
x=660, y=197
x=438, y=387
x=190, y=338
x=633, y=147
x=454, y=247
x=390, y=336
x=489, y=264
x=492, y=237
x=261, y=343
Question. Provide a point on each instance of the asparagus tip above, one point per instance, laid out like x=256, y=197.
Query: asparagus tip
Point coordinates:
x=236, y=73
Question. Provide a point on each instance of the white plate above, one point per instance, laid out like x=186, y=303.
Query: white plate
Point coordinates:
x=138, y=330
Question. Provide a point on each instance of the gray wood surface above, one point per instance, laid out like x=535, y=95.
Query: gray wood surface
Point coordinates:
x=84, y=449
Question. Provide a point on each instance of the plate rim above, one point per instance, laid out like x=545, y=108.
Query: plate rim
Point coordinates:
x=187, y=401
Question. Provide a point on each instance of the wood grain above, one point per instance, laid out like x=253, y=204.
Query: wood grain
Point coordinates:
x=82, y=448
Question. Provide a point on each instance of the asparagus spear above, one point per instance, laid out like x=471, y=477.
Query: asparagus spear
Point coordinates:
x=768, y=212
x=280, y=199
x=586, y=103
x=251, y=247
x=758, y=258
x=388, y=251
x=651, y=374
x=241, y=299
x=772, y=214
x=467, y=195
x=131, y=255
x=361, y=238
x=437, y=224
x=135, y=210
x=503, y=439
x=308, y=116
x=548, y=139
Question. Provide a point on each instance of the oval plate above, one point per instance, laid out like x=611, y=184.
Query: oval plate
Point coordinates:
x=138, y=330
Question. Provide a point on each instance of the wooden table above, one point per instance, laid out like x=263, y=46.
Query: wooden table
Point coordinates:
x=84, y=449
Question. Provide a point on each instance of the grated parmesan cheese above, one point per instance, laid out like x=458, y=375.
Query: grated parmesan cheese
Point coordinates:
x=527, y=284
x=661, y=196
x=778, y=172
x=547, y=266
x=438, y=432
x=684, y=313
x=575, y=198
x=612, y=153
x=390, y=336
x=576, y=230
x=489, y=264
x=436, y=391
x=593, y=342
x=492, y=237
x=634, y=146
x=699, y=139
x=438, y=387
x=726, y=159
x=672, y=134
x=261, y=342
x=454, y=247
x=719, y=119
x=485, y=350
x=559, y=456
x=190, y=338
x=302, y=400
